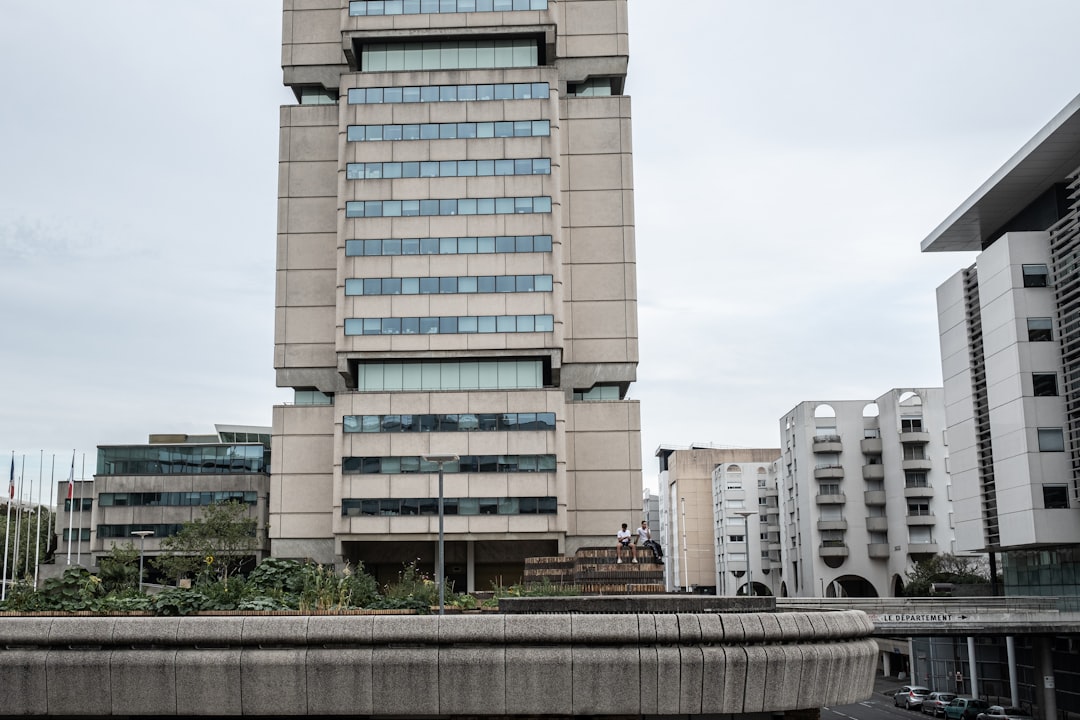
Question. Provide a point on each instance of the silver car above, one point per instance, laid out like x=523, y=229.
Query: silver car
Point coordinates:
x=910, y=696
x=935, y=703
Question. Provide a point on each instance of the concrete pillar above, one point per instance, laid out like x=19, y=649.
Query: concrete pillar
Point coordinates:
x=886, y=664
x=470, y=566
x=1044, y=677
x=1014, y=680
x=971, y=668
x=914, y=664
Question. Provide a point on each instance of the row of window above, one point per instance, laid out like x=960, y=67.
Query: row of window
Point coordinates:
x=448, y=245
x=450, y=375
x=448, y=93
x=462, y=284
x=467, y=422
x=464, y=464
x=124, y=531
x=86, y=505
x=460, y=325
x=449, y=55
x=450, y=131
x=81, y=534
x=459, y=206
x=447, y=168
x=361, y=8
x=176, y=499
x=183, y=460
x=352, y=507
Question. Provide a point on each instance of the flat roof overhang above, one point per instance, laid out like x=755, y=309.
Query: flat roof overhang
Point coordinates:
x=1046, y=159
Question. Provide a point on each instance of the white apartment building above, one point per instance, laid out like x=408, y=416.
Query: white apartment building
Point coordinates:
x=864, y=493
x=747, y=528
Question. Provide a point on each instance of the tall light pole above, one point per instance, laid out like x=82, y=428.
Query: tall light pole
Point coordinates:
x=142, y=535
x=440, y=563
x=745, y=515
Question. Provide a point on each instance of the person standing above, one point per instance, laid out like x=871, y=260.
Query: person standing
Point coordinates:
x=623, y=543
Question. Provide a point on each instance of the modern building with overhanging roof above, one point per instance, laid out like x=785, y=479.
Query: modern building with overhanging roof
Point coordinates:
x=456, y=278
x=1010, y=354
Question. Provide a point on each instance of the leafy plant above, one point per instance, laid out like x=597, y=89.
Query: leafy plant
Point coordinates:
x=180, y=601
x=119, y=570
x=211, y=547
x=945, y=568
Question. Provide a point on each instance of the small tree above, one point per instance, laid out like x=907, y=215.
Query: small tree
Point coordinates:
x=945, y=568
x=119, y=570
x=215, y=545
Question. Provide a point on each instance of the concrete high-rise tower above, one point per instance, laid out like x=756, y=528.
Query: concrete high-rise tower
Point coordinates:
x=455, y=277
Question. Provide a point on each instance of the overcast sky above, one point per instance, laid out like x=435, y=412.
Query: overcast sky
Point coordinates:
x=790, y=155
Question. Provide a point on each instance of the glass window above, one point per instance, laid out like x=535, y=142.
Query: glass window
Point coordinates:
x=1044, y=384
x=1055, y=496
x=1040, y=329
x=1051, y=440
x=1035, y=275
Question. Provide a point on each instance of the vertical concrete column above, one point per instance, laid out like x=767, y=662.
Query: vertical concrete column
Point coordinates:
x=470, y=566
x=1044, y=676
x=1014, y=680
x=971, y=668
x=914, y=661
x=886, y=664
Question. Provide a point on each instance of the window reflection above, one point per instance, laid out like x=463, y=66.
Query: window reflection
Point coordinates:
x=461, y=325
x=356, y=507
x=395, y=465
x=484, y=422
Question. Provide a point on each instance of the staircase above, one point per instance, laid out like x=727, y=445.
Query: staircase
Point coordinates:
x=594, y=571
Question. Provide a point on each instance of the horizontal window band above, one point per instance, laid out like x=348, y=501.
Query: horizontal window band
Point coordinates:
x=449, y=422
x=354, y=507
x=449, y=131
x=460, y=325
x=461, y=285
x=448, y=245
x=370, y=8
x=459, y=206
x=396, y=465
x=448, y=93
x=447, y=168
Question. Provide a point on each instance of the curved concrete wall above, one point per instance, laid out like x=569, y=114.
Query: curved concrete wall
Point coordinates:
x=477, y=665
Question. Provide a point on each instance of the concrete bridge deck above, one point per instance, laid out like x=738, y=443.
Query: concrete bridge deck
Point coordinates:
x=480, y=666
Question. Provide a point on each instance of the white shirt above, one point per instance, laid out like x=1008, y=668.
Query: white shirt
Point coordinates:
x=644, y=535
x=623, y=536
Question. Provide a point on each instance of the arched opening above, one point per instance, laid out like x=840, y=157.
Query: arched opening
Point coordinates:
x=855, y=586
x=910, y=399
x=759, y=590
x=833, y=561
x=871, y=410
x=824, y=410
x=897, y=586
x=783, y=589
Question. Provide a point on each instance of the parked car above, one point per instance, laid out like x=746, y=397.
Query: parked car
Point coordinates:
x=963, y=708
x=1003, y=712
x=935, y=703
x=910, y=696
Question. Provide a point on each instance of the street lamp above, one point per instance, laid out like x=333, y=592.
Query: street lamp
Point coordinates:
x=440, y=563
x=142, y=535
x=745, y=515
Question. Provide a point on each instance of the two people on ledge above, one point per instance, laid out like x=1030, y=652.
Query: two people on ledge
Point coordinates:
x=626, y=542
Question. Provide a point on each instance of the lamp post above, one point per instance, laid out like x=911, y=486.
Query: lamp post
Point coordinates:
x=440, y=562
x=142, y=535
x=745, y=515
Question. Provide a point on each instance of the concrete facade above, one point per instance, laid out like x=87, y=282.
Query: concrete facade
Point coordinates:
x=864, y=492
x=712, y=665
x=388, y=229
x=690, y=512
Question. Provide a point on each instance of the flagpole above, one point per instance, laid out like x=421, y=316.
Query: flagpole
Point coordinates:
x=82, y=482
x=71, y=480
x=7, y=527
x=41, y=467
x=18, y=520
x=37, y=544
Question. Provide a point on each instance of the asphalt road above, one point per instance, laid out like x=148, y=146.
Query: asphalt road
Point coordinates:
x=879, y=707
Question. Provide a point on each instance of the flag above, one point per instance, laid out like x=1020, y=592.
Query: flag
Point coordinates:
x=71, y=480
x=11, y=482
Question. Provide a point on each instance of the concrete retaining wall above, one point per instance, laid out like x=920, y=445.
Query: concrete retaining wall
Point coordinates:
x=475, y=665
